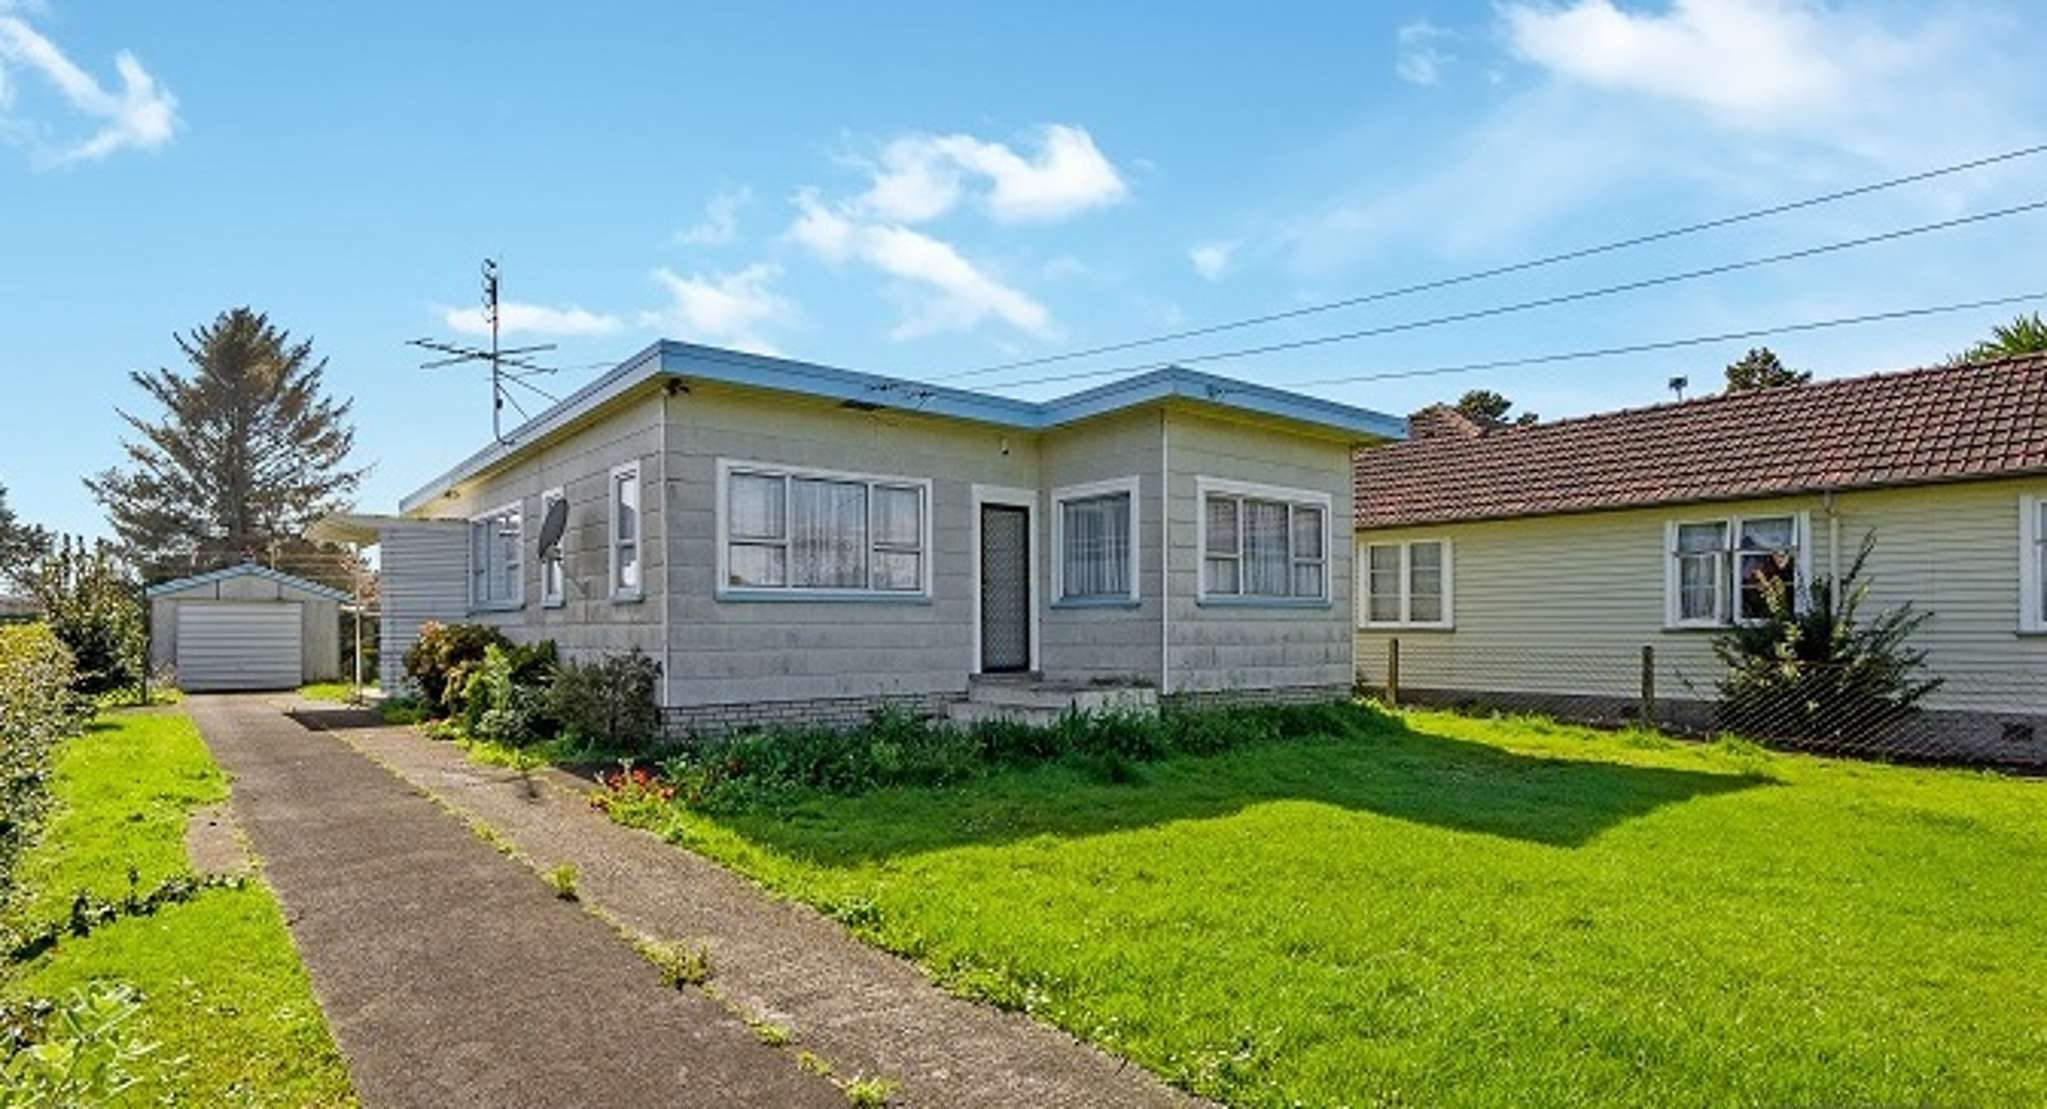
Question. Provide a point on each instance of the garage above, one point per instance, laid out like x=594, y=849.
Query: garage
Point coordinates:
x=245, y=627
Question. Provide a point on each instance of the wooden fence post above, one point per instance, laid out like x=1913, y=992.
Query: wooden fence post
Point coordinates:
x=1648, y=687
x=1393, y=672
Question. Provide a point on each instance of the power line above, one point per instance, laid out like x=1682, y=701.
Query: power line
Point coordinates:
x=1516, y=267
x=1539, y=302
x=1668, y=344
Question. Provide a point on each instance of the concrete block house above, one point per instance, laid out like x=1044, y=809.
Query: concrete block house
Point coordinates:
x=1531, y=565
x=795, y=542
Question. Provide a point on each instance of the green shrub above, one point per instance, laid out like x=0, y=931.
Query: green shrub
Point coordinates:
x=898, y=749
x=440, y=663
x=507, y=698
x=1816, y=671
x=78, y=1051
x=38, y=707
x=91, y=603
x=609, y=704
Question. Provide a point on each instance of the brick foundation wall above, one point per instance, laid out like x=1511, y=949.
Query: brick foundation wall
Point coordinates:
x=685, y=721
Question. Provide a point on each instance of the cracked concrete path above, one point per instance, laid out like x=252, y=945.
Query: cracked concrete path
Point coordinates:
x=862, y=1009
x=450, y=974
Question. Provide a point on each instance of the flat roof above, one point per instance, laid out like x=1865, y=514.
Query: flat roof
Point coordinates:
x=690, y=361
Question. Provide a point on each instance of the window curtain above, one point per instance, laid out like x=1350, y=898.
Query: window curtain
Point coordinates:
x=1425, y=583
x=1222, y=545
x=828, y=534
x=898, y=537
x=1384, y=583
x=1268, y=561
x=1308, y=556
x=1097, y=541
x=1700, y=550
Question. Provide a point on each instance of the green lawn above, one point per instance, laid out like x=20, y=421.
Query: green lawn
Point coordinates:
x=333, y=691
x=225, y=996
x=1470, y=912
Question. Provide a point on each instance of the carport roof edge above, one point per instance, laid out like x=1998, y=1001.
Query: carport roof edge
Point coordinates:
x=246, y=569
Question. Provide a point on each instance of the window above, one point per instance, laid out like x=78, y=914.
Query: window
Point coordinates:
x=625, y=531
x=1721, y=571
x=823, y=532
x=1094, y=537
x=1407, y=584
x=2033, y=564
x=553, y=575
x=1261, y=543
x=494, y=577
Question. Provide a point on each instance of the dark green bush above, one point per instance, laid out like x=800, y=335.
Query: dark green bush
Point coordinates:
x=440, y=663
x=1816, y=671
x=91, y=602
x=39, y=706
x=899, y=749
x=507, y=698
x=609, y=704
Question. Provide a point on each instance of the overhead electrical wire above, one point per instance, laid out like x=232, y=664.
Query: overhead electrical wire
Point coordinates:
x=1529, y=305
x=1511, y=268
x=1664, y=344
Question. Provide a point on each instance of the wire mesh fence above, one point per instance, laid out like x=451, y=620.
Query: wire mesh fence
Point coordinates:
x=1990, y=712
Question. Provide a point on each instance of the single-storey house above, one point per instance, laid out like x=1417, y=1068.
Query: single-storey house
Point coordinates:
x=1531, y=565
x=795, y=542
x=245, y=627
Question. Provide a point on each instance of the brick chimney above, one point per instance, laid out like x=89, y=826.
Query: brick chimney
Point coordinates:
x=1440, y=421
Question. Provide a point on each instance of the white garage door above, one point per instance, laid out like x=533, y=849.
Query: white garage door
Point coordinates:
x=222, y=645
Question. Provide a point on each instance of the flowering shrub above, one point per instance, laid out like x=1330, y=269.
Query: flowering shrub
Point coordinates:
x=631, y=791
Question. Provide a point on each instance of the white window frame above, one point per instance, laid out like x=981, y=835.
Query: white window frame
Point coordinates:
x=1240, y=491
x=557, y=596
x=2032, y=565
x=1060, y=497
x=725, y=591
x=1363, y=558
x=1729, y=582
x=517, y=571
x=1026, y=499
x=621, y=592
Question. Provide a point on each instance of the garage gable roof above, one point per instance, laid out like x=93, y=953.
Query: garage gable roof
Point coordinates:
x=247, y=569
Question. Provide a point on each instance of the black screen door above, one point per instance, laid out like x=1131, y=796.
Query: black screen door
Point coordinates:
x=1005, y=588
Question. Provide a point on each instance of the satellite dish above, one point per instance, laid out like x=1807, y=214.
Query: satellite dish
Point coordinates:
x=551, y=528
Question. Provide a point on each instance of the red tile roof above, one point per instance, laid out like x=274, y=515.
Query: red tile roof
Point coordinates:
x=1949, y=423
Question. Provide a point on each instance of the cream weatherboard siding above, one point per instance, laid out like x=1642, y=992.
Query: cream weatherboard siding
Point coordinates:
x=422, y=575
x=1225, y=645
x=1564, y=604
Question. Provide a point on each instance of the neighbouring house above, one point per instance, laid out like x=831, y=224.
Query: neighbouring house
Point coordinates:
x=245, y=627
x=1531, y=565
x=795, y=542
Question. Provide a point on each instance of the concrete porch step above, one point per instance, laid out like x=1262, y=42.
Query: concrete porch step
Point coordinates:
x=1035, y=700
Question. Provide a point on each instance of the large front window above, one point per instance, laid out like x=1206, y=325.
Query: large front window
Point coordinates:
x=494, y=569
x=1096, y=542
x=1263, y=544
x=1725, y=570
x=1407, y=584
x=836, y=533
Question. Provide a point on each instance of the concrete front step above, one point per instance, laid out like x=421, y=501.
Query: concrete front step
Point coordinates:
x=1040, y=702
x=966, y=714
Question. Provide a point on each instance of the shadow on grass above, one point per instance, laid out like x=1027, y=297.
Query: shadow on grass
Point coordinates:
x=1415, y=776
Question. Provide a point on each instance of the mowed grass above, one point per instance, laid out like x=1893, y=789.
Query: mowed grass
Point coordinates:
x=224, y=994
x=338, y=692
x=1470, y=912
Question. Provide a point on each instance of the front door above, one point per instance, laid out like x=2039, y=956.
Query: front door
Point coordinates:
x=1005, y=588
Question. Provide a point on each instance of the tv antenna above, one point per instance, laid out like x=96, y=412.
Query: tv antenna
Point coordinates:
x=1678, y=384
x=508, y=365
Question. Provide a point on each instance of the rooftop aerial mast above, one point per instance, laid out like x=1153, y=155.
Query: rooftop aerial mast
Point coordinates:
x=508, y=365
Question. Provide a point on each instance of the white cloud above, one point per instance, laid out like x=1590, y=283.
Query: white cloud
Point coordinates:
x=720, y=224
x=951, y=293
x=922, y=177
x=1419, y=60
x=1737, y=58
x=1212, y=260
x=534, y=319
x=142, y=114
x=730, y=309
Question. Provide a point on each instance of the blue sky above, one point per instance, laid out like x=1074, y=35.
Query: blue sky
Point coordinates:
x=922, y=190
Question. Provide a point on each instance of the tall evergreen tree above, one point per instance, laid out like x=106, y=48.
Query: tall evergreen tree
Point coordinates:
x=1762, y=369
x=247, y=453
x=1489, y=410
x=20, y=545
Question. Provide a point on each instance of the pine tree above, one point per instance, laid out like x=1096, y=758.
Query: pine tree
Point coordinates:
x=20, y=545
x=248, y=452
x=1489, y=410
x=1762, y=369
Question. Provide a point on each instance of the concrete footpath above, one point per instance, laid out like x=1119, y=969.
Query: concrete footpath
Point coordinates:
x=450, y=974
x=863, y=1010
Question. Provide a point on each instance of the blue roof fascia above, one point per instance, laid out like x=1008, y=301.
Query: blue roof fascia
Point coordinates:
x=246, y=569
x=690, y=360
